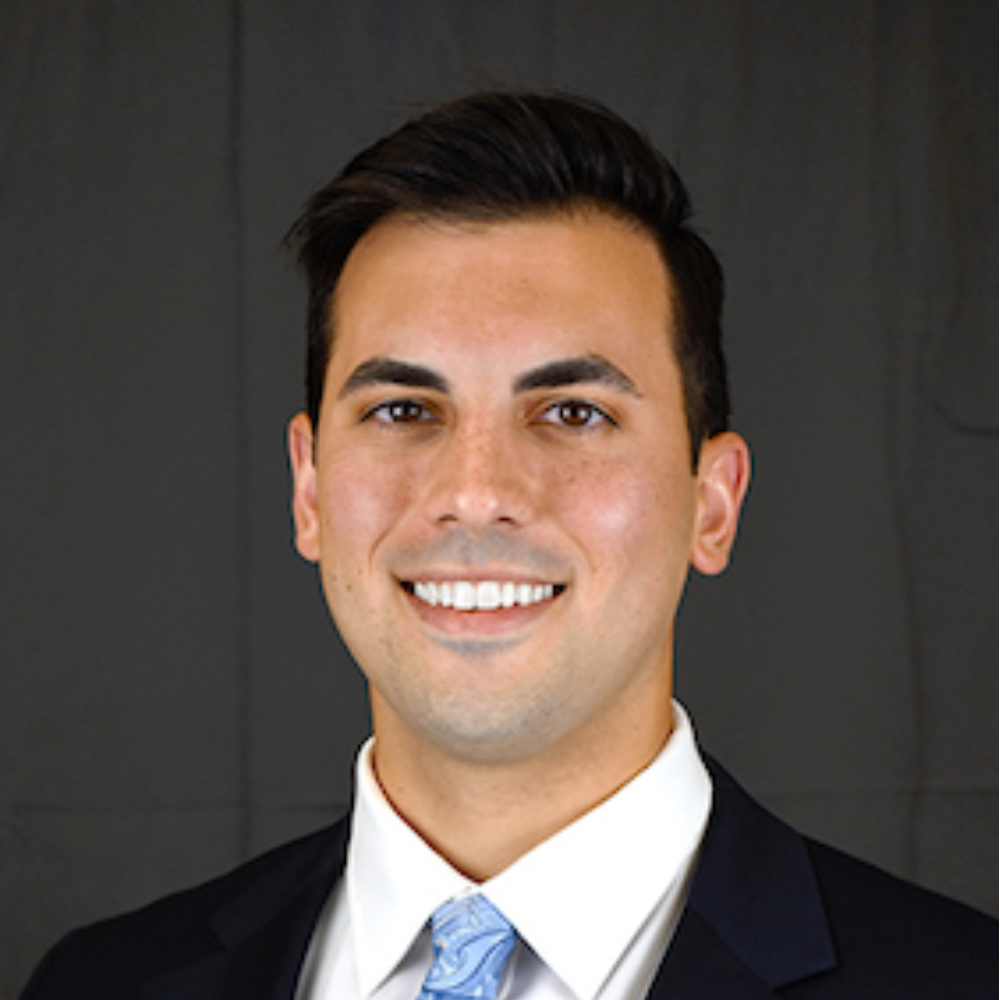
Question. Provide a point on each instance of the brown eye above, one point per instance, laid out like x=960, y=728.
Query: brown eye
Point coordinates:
x=576, y=414
x=400, y=411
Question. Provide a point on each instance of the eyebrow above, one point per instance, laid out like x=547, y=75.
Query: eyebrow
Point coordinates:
x=551, y=375
x=573, y=371
x=379, y=371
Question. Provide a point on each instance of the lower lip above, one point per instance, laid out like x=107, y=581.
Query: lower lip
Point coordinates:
x=470, y=624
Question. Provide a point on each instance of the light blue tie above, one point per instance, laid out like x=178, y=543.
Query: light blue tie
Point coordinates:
x=472, y=942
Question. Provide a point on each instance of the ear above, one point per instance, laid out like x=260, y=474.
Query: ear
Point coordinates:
x=305, y=512
x=723, y=478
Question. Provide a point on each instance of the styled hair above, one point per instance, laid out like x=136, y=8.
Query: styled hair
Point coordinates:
x=500, y=156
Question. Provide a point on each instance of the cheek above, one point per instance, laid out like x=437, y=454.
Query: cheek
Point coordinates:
x=632, y=517
x=360, y=503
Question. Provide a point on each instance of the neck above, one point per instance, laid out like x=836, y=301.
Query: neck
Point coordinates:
x=482, y=815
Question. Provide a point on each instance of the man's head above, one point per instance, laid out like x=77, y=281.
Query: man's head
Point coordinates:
x=496, y=471
x=504, y=156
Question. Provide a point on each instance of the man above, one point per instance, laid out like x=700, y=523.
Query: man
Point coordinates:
x=515, y=448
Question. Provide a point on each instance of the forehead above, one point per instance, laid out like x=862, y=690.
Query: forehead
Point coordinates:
x=567, y=283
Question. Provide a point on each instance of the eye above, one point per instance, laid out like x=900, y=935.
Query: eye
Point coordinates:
x=576, y=414
x=400, y=411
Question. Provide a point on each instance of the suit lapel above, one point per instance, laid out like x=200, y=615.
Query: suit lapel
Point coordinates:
x=264, y=932
x=755, y=920
x=701, y=966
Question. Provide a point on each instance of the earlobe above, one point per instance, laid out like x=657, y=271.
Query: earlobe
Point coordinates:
x=723, y=478
x=305, y=511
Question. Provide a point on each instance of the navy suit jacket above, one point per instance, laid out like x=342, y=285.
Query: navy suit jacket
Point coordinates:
x=770, y=914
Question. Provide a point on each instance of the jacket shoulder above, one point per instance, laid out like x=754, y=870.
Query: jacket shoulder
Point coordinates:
x=113, y=958
x=813, y=922
x=888, y=930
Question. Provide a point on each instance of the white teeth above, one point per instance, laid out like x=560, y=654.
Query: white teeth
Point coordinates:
x=488, y=596
x=464, y=596
x=485, y=595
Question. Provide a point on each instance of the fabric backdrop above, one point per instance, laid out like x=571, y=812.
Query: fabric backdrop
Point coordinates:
x=173, y=696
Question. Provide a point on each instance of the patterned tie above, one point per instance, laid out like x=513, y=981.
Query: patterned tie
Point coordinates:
x=472, y=942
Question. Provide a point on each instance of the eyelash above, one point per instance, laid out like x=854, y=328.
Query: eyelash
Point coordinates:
x=596, y=415
x=382, y=410
x=421, y=413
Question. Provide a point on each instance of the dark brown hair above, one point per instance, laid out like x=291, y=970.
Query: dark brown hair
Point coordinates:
x=506, y=155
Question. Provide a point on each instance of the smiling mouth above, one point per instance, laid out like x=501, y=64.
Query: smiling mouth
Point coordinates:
x=481, y=595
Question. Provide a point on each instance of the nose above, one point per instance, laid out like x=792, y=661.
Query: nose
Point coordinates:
x=479, y=479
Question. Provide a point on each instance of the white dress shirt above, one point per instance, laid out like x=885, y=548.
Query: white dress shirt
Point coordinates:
x=595, y=905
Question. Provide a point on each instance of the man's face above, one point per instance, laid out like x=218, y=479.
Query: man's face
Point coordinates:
x=499, y=492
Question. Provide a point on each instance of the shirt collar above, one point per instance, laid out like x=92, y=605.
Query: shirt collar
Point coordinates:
x=394, y=880
x=580, y=897
x=617, y=860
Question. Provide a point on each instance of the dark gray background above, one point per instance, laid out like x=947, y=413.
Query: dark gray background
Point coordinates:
x=174, y=697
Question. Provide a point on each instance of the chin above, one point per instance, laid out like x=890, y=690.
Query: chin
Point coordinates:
x=488, y=737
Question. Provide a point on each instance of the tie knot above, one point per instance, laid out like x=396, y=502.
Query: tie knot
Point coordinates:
x=472, y=942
